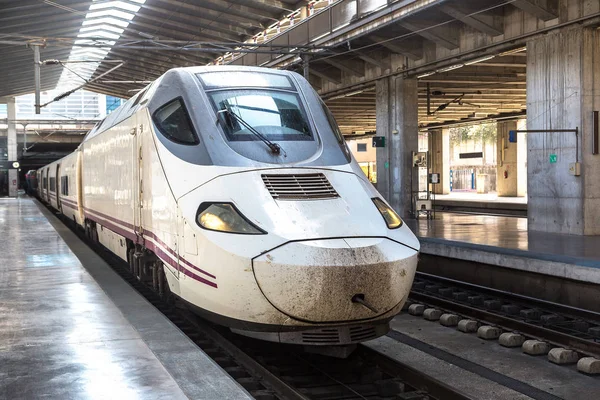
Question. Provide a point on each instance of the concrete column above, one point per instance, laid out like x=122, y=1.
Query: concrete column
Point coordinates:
x=303, y=13
x=522, y=159
x=397, y=118
x=13, y=174
x=439, y=149
x=563, y=88
x=507, y=167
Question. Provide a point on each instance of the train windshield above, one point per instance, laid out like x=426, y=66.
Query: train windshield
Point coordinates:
x=264, y=116
x=277, y=115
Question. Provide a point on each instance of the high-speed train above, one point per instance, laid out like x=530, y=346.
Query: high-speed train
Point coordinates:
x=232, y=189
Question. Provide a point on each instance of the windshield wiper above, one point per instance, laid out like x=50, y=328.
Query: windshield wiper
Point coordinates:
x=274, y=147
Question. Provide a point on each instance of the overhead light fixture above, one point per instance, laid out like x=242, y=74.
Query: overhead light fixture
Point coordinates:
x=425, y=74
x=513, y=51
x=478, y=60
x=450, y=68
x=341, y=96
x=354, y=93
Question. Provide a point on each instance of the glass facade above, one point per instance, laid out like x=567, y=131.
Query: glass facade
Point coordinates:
x=79, y=105
x=112, y=103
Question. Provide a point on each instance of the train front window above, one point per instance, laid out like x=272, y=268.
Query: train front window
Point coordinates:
x=276, y=115
x=173, y=121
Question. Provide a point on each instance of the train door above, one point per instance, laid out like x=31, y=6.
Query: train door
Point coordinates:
x=46, y=188
x=3, y=182
x=42, y=184
x=137, y=184
x=58, y=188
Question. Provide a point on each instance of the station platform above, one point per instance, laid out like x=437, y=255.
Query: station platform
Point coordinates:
x=488, y=203
x=70, y=327
x=473, y=247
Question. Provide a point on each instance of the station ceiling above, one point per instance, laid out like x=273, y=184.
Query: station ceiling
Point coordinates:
x=131, y=24
x=476, y=92
x=150, y=37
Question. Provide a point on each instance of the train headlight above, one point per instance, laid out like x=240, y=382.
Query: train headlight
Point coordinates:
x=392, y=219
x=225, y=217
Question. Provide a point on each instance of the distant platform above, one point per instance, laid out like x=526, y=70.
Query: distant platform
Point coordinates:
x=481, y=203
x=490, y=250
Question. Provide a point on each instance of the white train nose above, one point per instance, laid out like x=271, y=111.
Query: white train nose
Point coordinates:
x=336, y=280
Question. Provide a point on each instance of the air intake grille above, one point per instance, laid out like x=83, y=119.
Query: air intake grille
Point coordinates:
x=299, y=187
x=362, y=333
x=322, y=336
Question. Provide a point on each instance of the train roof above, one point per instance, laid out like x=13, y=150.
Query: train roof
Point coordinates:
x=141, y=98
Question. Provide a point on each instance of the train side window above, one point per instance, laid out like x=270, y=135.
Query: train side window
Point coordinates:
x=173, y=121
x=64, y=185
x=336, y=131
x=45, y=183
x=139, y=97
x=52, y=184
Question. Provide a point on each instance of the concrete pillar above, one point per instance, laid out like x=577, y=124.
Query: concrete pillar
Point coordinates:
x=563, y=88
x=522, y=159
x=303, y=13
x=397, y=117
x=507, y=166
x=13, y=174
x=439, y=150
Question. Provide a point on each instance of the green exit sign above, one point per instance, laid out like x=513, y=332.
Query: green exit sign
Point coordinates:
x=553, y=158
x=379, y=141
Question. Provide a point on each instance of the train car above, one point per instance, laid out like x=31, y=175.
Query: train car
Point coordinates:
x=31, y=181
x=232, y=189
x=42, y=191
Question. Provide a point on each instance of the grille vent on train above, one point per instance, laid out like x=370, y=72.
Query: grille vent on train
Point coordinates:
x=340, y=335
x=361, y=333
x=299, y=187
x=322, y=336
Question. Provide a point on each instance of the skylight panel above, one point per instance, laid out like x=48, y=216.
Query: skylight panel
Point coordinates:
x=106, y=20
x=110, y=13
x=116, y=4
x=99, y=34
x=104, y=24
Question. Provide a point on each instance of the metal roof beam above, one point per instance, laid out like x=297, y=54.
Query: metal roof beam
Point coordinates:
x=49, y=22
x=160, y=60
x=178, y=31
x=244, y=19
x=229, y=7
x=232, y=29
x=276, y=5
x=33, y=9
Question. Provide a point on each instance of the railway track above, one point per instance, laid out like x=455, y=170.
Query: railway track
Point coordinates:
x=270, y=371
x=560, y=325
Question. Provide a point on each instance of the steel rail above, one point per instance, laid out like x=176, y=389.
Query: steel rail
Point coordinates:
x=555, y=337
x=530, y=301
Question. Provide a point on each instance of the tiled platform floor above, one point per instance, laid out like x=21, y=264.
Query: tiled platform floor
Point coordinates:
x=75, y=330
x=506, y=233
